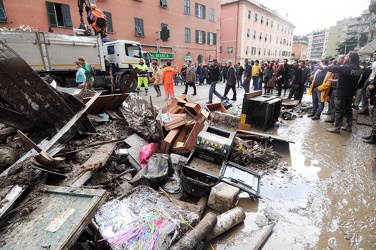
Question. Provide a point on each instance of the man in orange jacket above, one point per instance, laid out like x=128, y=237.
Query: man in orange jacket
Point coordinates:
x=168, y=80
x=98, y=20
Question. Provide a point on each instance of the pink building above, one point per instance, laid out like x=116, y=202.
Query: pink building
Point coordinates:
x=193, y=25
x=251, y=30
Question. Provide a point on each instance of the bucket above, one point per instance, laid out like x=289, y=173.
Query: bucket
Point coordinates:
x=197, y=183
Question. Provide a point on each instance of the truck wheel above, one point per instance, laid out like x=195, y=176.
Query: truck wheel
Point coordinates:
x=123, y=82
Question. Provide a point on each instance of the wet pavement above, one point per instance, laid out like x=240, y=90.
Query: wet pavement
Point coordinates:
x=326, y=199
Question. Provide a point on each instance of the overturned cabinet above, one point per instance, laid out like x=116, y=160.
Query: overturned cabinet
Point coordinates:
x=261, y=112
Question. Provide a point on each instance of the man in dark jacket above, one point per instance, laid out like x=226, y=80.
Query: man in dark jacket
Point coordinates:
x=297, y=85
x=247, y=75
x=214, y=76
x=231, y=81
x=348, y=77
x=286, y=76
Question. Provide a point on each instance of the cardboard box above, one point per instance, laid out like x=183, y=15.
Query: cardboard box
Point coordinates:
x=169, y=140
x=192, y=108
x=216, y=107
x=177, y=121
x=185, y=141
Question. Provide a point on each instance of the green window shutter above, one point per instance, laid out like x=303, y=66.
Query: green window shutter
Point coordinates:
x=196, y=6
x=214, y=38
x=3, y=16
x=204, y=14
x=203, y=37
x=208, y=37
x=66, y=15
x=51, y=14
x=197, y=32
x=110, y=27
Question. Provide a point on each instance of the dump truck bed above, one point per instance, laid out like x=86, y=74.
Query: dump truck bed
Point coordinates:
x=46, y=52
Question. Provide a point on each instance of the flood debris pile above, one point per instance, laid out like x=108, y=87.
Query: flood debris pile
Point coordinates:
x=198, y=162
x=255, y=153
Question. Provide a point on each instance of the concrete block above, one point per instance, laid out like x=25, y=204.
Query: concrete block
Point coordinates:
x=223, y=197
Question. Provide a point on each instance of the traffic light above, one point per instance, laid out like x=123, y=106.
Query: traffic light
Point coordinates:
x=165, y=34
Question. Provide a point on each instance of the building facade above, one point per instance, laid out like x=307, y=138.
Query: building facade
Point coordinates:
x=299, y=48
x=251, y=30
x=192, y=26
x=317, y=44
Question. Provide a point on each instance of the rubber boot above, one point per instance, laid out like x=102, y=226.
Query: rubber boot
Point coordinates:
x=372, y=140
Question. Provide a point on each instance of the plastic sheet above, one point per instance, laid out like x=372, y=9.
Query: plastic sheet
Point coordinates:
x=143, y=220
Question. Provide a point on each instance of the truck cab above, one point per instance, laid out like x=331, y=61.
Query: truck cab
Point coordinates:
x=123, y=54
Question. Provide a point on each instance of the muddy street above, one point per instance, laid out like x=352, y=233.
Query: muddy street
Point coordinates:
x=325, y=199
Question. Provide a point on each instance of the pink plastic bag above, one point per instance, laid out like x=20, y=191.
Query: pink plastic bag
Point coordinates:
x=146, y=152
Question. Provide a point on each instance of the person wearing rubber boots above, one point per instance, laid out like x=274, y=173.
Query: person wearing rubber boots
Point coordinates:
x=348, y=77
x=142, y=76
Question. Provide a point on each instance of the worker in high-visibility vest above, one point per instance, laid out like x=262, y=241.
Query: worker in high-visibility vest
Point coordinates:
x=142, y=76
x=98, y=20
x=168, y=81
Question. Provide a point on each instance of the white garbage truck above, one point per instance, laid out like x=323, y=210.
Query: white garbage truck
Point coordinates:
x=54, y=55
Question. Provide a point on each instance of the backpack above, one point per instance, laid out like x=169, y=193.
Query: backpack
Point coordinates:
x=93, y=71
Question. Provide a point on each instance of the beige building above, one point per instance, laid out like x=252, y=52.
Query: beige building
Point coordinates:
x=317, y=44
x=252, y=30
x=362, y=27
x=299, y=48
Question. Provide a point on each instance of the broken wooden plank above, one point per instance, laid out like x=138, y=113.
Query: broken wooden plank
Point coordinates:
x=267, y=230
x=58, y=220
x=253, y=94
x=97, y=159
x=111, y=102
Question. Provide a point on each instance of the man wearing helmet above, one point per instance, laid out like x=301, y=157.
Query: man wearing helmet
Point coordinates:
x=98, y=20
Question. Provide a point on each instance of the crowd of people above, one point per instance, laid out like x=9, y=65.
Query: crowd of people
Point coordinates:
x=344, y=83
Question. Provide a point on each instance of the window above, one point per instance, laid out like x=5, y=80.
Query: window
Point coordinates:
x=163, y=3
x=200, y=11
x=3, y=16
x=187, y=7
x=200, y=36
x=139, y=26
x=262, y=19
x=248, y=32
x=249, y=14
x=254, y=33
x=260, y=35
x=110, y=27
x=187, y=35
x=111, y=50
x=269, y=52
x=264, y=52
x=270, y=40
x=164, y=25
x=255, y=17
x=266, y=37
x=259, y=51
x=253, y=52
x=212, y=38
x=267, y=21
x=271, y=24
x=211, y=18
x=246, y=50
x=132, y=50
x=59, y=15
